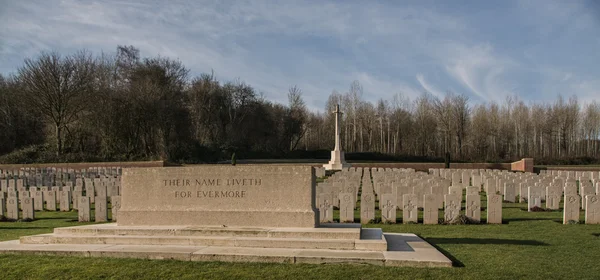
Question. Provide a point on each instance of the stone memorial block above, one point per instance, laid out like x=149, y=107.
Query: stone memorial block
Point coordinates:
x=50, y=197
x=534, y=198
x=38, y=200
x=11, y=183
x=65, y=200
x=101, y=209
x=324, y=202
x=388, y=205
x=83, y=211
x=367, y=207
x=509, y=192
x=592, y=209
x=12, y=208
x=473, y=207
x=241, y=196
x=27, y=207
x=430, y=209
x=494, y=209
x=347, y=204
x=572, y=204
x=115, y=205
x=473, y=190
x=553, y=195
x=452, y=208
x=410, y=212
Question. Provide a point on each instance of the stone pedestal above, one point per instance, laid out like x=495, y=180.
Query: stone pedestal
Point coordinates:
x=337, y=161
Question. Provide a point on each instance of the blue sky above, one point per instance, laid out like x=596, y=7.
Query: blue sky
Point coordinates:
x=485, y=49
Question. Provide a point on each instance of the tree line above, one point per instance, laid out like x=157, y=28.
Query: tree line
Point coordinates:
x=86, y=107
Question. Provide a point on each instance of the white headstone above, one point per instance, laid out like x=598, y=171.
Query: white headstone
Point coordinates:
x=571, y=208
x=409, y=209
x=473, y=207
x=592, y=210
x=388, y=205
x=494, y=209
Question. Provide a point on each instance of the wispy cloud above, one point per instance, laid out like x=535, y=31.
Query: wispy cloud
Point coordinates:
x=322, y=45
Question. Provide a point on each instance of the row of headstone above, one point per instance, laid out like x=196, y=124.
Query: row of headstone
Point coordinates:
x=571, y=210
x=391, y=188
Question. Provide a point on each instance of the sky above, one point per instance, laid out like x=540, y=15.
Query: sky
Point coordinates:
x=487, y=50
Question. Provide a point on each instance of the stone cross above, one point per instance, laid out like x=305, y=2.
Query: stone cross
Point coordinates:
x=338, y=118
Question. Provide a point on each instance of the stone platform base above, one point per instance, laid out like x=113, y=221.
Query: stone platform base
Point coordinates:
x=336, y=243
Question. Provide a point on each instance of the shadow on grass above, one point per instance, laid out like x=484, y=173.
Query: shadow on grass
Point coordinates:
x=455, y=261
x=544, y=211
x=485, y=241
x=596, y=234
x=527, y=219
x=24, y=228
x=53, y=218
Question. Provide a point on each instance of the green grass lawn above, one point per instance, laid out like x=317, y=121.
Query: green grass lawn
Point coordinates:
x=527, y=246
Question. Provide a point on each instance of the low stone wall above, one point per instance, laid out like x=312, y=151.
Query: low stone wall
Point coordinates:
x=426, y=166
x=569, y=168
x=86, y=165
x=524, y=165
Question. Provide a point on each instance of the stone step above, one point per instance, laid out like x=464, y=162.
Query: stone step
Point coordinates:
x=220, y=241
x=332, y=231
x=420, y=255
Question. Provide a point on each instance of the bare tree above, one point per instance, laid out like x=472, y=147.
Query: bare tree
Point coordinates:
x=59, y=87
